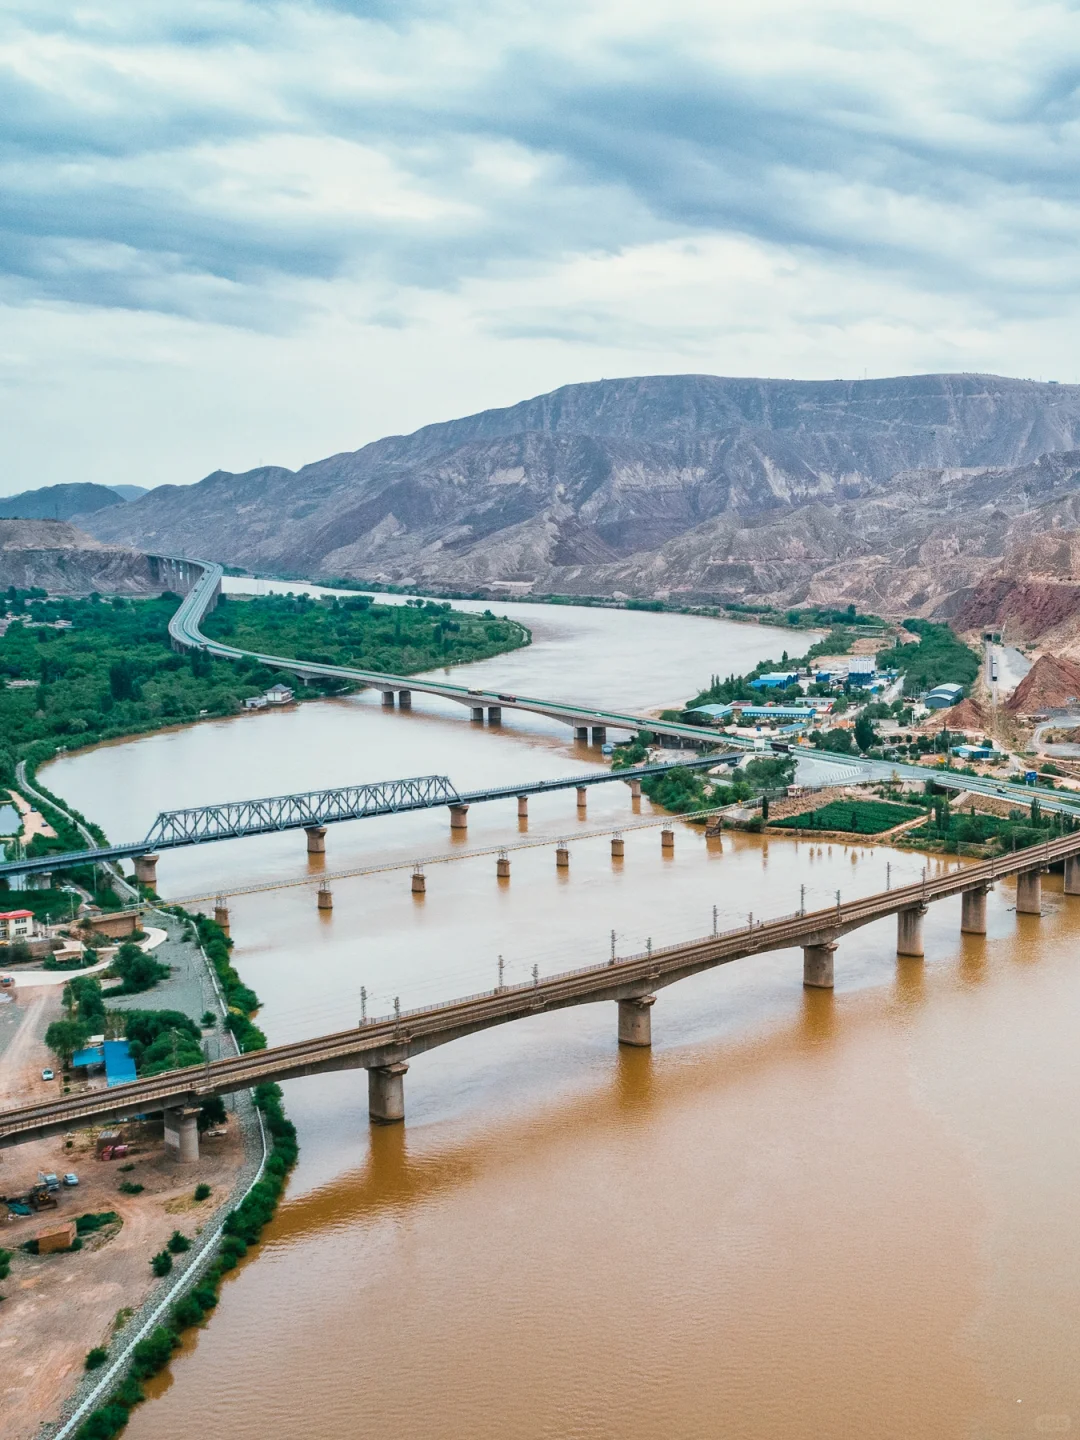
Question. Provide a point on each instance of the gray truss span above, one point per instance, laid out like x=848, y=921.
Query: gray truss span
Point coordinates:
x=292, y=812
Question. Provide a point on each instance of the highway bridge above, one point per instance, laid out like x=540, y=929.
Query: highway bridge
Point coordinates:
x=384, y=1046
x=186, y=634
x=314, y=810
x=201, y=598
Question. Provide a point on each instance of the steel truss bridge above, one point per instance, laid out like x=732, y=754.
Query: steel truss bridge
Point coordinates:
x=314, y=808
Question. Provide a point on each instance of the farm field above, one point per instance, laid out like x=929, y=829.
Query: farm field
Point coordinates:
x=858, y=817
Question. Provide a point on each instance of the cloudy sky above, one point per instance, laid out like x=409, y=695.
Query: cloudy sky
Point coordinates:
x=239, y=233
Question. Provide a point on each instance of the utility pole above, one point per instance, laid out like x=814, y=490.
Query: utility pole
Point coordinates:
x=363, y=1004
x=714, y=930
x=502, y=965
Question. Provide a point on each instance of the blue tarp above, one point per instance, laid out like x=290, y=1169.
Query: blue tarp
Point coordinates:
x=119, y=1066
x=91, y=1056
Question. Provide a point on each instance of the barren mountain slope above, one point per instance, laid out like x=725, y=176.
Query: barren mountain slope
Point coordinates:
x=689, y=483
x=61, y=559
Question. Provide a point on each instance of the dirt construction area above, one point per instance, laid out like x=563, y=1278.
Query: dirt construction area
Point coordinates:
x=57, y=1307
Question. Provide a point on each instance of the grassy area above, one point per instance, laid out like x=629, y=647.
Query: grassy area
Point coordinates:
x=399, y=639
x=858, y=817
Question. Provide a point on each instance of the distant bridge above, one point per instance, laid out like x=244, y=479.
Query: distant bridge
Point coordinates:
x=384, y=1046
x=315, y=809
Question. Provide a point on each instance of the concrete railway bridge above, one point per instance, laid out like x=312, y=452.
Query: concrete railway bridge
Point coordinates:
x=384, y=1046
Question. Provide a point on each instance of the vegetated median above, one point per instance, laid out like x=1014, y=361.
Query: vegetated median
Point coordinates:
x=163, y=1040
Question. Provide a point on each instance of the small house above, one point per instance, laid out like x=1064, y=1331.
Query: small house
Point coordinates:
x=279, y=695
x=16, y=925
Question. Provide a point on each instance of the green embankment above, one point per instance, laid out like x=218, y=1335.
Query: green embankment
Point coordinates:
x=938, y=657
x=243, y=1225
x=396, y=639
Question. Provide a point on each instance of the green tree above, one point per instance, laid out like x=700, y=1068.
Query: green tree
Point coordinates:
x=64, y=1037
x=865, y=736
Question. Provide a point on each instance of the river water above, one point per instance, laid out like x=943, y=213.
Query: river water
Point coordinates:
x=802, y=1214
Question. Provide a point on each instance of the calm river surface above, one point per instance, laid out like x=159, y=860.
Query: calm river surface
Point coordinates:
x=800, y=1215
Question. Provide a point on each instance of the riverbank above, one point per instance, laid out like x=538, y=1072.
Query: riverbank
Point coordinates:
x=59, y=1307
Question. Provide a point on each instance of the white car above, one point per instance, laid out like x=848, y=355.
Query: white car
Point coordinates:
x=47, y=1075
x=71, y=1178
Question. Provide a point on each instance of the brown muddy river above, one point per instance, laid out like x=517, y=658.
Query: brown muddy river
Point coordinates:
x=801, y=1214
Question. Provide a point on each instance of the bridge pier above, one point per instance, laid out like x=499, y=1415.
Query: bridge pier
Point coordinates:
x=635, y=1020
x=404, y=699
x=419, y=882
x=667, y=841
x=909, y=931
x=599, y=734
x=316, y=839
x=523, y=807
x=562, y=857
x=618, y=847
x=386, y=1093
x=182, y=1134
x=146, y=870
x=635, y=789
x=494, y=714
x=459, y=817
x=502, y=867
x=221, y=913
x=1072, y=875
x=973, y=911
x=581, y=734
x=817, y=970
x=477, y=714
x=388, y=699
x=1029, y=892
x=326, y=896
x=582, y=798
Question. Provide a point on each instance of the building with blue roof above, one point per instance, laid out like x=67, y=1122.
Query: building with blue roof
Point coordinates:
x=775, y=680
x=119, y=1066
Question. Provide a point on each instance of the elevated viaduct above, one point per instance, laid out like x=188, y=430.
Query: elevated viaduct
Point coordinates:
x=384, y=1046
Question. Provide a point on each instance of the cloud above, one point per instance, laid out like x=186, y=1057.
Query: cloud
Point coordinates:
x=253, y=146
x=353, y=216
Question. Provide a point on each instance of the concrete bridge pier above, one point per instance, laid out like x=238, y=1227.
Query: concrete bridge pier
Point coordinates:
x=817, y=970
x=477, y=714
x=581, y=734
x=1029, y=892
x=316, y=839
x=419, y=882
x=635, y=789
x=973, y=911
x=909, y=931
x=326, y=896
x=523, y=807
x=618, y=847
x=146, y=870
x=667, y=841
x=221, y=913
x=494, y=714
x=404, y=699
x=562, y=857
x=388, y=699
x=386, y=1093
x=582, y=798
x=502, y=866
x=599, y=734
x=182, y=1134
x=1072, y=875
x=635, y=1020
x=459, y=817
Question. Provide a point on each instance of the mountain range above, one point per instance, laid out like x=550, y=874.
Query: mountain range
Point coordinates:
x=903, y=495
x=61, y=502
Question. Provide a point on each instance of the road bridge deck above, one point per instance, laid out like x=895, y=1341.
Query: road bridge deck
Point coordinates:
x=392, y=1040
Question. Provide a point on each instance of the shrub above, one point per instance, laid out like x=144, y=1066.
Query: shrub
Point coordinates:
x=161, y=1263
x=96, y=1358
x=88, y=1223
x=178, y=1243
x=5, y=1264
x=202, y=1191
x=208, y=1020
x=131, y=1187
